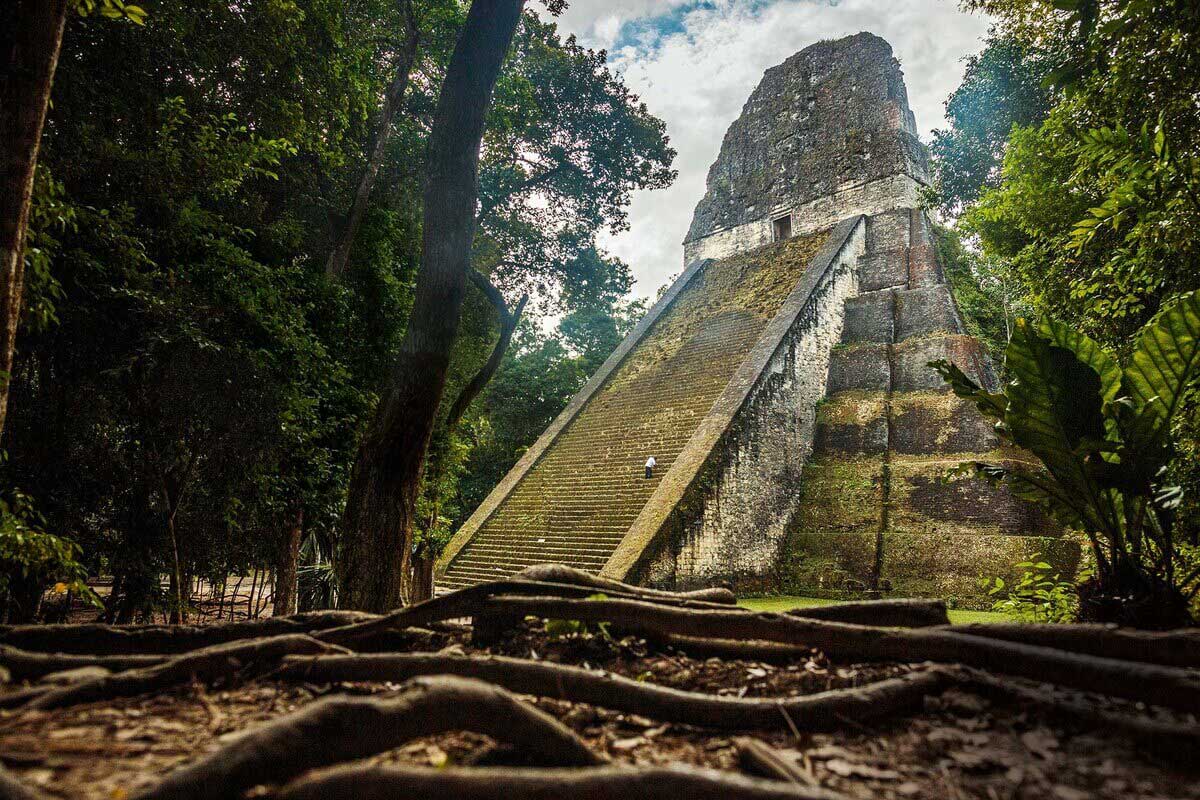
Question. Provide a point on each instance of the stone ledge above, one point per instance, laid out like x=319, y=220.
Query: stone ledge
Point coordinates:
x=842, y=564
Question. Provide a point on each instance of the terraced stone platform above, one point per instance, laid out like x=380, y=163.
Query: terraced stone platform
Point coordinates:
x=575, y=504
x=878, y=514
x=801, y=436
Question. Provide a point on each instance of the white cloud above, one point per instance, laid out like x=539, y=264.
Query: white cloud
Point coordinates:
x=701, y=68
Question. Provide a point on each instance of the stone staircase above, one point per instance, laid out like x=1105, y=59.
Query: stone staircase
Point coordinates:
x=580, y=497
x=876, y=513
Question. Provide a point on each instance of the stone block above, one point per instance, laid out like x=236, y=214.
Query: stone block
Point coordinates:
x=828, y=563
x=925, y=423
x=882, y=270
x=950, y=565
x=923, y=500
x=869, y=318
x=888, y=231
x=920, y=231
x=911, y=359
x=921, y=312
x=840, y=494
x=924, y=269
x=851, y=423
x=859, y=366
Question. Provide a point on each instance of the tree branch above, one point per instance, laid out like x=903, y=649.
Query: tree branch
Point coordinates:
x=392, y=98
x=491, y=204
x=508, y=324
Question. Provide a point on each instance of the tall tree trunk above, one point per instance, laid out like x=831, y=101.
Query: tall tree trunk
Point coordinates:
x=392, y=99
x=30, y=38
x=376, y=531
x=288, y=566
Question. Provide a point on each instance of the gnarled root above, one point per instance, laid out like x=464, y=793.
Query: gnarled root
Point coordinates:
x=24, y=666
x=597, y=783
x=1177, y=741
x=339, y=729
x=901, y=613
x=758, y=758
x=206, y=665
x=823, y=711
x=561, y=573
x=96, y=639
x=1179, y=648
x=1166, y=686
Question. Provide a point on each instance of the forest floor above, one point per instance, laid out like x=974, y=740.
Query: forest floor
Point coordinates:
x=959, y=745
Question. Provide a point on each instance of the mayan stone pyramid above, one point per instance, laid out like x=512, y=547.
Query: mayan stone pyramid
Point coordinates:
x=781, y=382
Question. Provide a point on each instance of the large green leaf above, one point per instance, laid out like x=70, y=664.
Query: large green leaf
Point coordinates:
x=1087, y=350
x=989, y=404
x=1055, y=410
x=1165, y=360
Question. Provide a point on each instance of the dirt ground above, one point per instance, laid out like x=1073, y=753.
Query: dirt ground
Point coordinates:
x=960, y=746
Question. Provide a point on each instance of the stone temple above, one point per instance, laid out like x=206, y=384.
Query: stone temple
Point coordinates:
x=782, y=382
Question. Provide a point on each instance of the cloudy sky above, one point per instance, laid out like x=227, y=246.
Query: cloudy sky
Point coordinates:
x=695, y=63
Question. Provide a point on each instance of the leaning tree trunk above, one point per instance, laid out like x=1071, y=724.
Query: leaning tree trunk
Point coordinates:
x=377, y=525
x=392, y=99
x=287, y=568
x=30, y=38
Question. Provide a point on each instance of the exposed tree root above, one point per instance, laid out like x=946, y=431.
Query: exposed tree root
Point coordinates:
x=23, y=666
x=1166, y=686
x=1180, y=648
x=561, y=573
x=339, y=729
x=596, y=783
x=206, y=664
x=21, y=697
x=473, y=602
x=1178, y=741
x=128, y=639
x=823, y=711
x=758, y=758
x=881, y=613
x=13, y=789
x=746, y=650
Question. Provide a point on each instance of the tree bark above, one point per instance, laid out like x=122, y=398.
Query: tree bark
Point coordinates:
x=675, y=782
x=392, y=99
x=288, y=567
x=377, y=524
x=337, y=729
x=30, y=39
x=508, y=324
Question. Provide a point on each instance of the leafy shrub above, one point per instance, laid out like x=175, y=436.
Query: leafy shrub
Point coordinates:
x=1039, y=595
x=316, y=580
x=1103, y=432
x=32, y=561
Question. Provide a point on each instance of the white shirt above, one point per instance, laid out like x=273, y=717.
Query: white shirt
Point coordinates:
x=651, y=463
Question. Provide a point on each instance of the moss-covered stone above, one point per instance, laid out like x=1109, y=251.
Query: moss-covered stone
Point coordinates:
x=840, y=494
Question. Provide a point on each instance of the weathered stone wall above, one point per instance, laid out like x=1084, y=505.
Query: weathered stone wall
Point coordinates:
x=869, y=198
x=575, y=502
x=732, y=521
x=876, y=514
x=827, y=134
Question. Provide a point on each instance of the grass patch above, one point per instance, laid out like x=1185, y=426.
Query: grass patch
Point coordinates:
x=957, y=616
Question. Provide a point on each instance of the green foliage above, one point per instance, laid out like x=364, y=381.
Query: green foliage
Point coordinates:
x=32, y=561
x=563, y=628
x=111, y=9
x=187, y=378
x=1103, y=433
x=1039, y=595
x=988, y=296
x=1001, y=87
x=1095, y=210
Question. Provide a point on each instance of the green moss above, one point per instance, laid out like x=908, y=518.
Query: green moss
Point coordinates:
x=787, y=603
